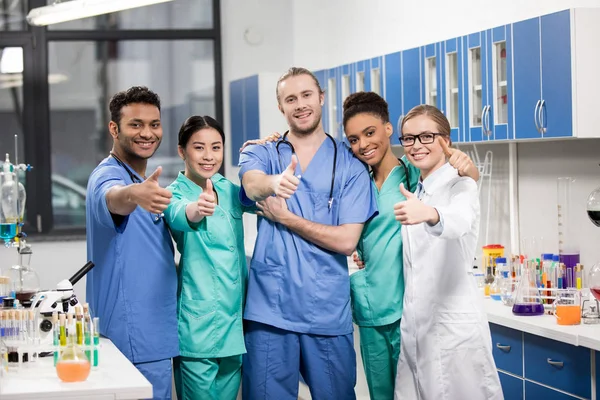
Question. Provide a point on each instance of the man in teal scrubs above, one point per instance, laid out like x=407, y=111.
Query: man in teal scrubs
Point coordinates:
x=132, y=288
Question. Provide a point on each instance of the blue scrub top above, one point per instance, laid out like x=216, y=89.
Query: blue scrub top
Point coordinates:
x=294, y=284
x=133, y=286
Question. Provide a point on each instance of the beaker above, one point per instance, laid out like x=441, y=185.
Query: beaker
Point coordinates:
x=527, y=300
x=567, y=308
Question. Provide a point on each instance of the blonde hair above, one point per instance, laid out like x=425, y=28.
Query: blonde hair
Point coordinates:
x=432, y=112
x=297, y=71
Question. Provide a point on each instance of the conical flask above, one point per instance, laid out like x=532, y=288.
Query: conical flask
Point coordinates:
x=527, y=297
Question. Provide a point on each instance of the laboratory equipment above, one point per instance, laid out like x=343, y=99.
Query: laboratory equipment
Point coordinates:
x=594, y=281
x=527, y=300
x=9, y=193
x=593, y=206
x=568, y=249
x=25, y=282
x=72, y=364
x=567, y=307
x=490, y=253
x=62, y=299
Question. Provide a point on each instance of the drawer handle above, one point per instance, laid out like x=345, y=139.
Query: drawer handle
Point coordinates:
x=557, y=364
x=504, y=348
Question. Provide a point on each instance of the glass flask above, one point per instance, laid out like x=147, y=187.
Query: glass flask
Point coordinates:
x=593, y=207
x=527, y=299
x=72, y=364
x=9, y=194
x=594, y=281
x=25, y=282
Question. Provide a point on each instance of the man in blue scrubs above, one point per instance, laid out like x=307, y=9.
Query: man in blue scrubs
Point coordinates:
x=133, y=286
x=297, y=312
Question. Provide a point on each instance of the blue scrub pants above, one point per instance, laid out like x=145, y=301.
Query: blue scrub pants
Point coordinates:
x=275, y=359
x=159, y=373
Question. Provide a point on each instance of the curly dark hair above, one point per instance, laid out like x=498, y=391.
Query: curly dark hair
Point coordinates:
x=365, y=102
x=133, y=95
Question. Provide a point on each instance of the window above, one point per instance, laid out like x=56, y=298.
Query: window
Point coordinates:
x=12, y=15
x=56, y=83
x=181, y=72
x=179, y=14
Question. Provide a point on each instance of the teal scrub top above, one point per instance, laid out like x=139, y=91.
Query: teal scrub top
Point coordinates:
x=377, y=291
x=212, y=271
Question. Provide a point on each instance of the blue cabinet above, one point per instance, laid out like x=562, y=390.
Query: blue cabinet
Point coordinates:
x=453, y=85
x=507, y=349
x=542, y=76
x=558, y=364
x=512, y=387
x=534, y=391
x=393, y=90
x=245, y=117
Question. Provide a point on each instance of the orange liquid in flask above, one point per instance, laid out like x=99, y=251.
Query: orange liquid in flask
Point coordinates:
x=73, y=371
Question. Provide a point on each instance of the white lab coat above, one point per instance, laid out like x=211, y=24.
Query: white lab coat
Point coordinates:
x=446, y=347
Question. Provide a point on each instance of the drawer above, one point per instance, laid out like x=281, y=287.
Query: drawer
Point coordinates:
x=512, y=387
x=558, y=365
x=507, y=348
x=533, y=391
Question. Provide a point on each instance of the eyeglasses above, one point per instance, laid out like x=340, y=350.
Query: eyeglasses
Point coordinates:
x=424, y=138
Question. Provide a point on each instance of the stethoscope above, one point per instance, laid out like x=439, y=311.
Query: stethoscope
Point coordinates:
x=134, y=179
x=330, y=202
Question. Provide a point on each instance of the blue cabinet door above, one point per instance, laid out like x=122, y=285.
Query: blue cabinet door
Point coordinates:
x=507, y=349
x=534, y=391
x=251, y=108
x=430, y=76
x=322, y=78
x=499, y=56
x=526, y=77
x=559, y=365
x=236, y=102
x=476, y=96
x=557, y=103
x=412, y=81
x=334, y=95
x=393, y=89
x=512, y=387
x=363, y=71
x=441, y=75
x=452, y=95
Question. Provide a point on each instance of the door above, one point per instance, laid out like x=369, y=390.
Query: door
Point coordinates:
x=411, y=83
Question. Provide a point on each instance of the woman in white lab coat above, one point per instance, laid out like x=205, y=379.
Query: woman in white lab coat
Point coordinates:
x=446, y=349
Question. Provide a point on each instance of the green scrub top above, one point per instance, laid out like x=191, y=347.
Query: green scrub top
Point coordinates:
x=377, y=291
x=212, y=273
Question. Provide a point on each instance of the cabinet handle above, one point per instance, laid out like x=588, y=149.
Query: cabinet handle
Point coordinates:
x=557, y=364
x=504, y=348
x=542, y=117
x=399, y=124
x=487, y=119
x=536, y=114
x=483, y=120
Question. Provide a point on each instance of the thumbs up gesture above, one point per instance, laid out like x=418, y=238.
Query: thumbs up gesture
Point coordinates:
x=286, y=183
x=459, y=160
x=150, y=196
x=413, y=211
x=206, y=201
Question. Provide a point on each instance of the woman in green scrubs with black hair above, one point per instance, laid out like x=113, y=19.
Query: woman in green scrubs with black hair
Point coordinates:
x=205, y=219
x=377, y=289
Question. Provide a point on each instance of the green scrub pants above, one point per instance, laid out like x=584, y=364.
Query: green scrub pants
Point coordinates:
x=207, y=378
x=380, y=349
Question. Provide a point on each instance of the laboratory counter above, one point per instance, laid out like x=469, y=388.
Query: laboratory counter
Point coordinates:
x=115, y=378
x=538, y=359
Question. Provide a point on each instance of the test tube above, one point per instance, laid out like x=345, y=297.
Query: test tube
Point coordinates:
x=96, y=340
x=579, y=276
x=88, y=328
x=63, y=330
x=55, y=334
x=79, y=325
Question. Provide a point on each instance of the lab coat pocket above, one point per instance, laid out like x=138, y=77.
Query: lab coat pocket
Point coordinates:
x=467, y=370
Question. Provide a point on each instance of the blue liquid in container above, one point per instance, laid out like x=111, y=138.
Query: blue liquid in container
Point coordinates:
x=8, y=231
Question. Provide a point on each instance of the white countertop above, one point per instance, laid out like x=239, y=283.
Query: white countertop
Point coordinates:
x=543, y=325
x=115, y=378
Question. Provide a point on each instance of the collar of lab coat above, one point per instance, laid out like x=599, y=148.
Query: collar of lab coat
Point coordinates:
x=438, y=178
x=191, y=187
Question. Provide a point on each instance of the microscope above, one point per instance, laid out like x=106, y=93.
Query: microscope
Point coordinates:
x=62, y=300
